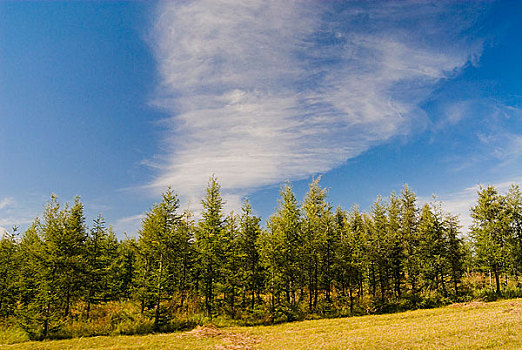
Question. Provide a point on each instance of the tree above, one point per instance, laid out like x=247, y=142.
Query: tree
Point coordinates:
x=9, y=265
x=315, y=226
x=397, y=250
x=514, y=212
x=410, y=234
x=210, y=242
x=281, y=249
x=160, y=254
x=350, y=255
x=64, y=235
x=379, y=248
x=231, y=268
x=101, y=255
x=123, y=268
x=490, y=231
x=455, y=251
x=249, y=232
x=53, y=274
x=432, y=247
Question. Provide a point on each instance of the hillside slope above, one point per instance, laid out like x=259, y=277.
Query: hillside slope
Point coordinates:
x=474, y=325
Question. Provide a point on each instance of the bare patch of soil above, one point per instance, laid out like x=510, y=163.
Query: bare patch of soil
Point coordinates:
x=232, y=340
x=472, y=304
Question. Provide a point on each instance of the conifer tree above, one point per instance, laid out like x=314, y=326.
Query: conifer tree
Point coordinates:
x=159, y=253
x=286, y=225
x=514, y=212
x=351, y=254
x=490, y=231
x=123, y=269
x=9, y=265
x=210, y=243
x=101, y=257
x=397, y=250
x=31, y=306
x=379, y=247
x=340, y=222
x=250, y=259
x=410, y=234
x=271, y=256
x=64, y=235
x=431, y=248
x=231, y=268
x=328, y=270
x=315, y=225
x=53, y=273
x=455, y=252
x=186, y=238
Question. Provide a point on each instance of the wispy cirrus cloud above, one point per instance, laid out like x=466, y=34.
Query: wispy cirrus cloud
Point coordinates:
x=5, y=202
x=11, y=213
x=264, y=91
x=492, y=133
x=460, y=202
x=129, y=224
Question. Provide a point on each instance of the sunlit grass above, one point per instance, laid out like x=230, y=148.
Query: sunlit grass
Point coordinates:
x=475, y=325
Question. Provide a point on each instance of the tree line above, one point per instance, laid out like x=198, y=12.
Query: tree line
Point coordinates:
x=310, y=259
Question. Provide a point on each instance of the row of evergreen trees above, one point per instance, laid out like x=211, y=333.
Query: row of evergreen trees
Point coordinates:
x=310, y=259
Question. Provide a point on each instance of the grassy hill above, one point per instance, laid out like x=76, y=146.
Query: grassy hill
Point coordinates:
x=475, y=325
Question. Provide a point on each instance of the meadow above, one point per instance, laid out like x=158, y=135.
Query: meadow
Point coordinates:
x=474, y=325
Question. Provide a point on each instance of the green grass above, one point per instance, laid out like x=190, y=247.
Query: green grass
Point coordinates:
x=496, y=325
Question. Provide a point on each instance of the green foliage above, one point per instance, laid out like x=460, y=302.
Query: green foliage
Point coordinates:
x=12, y=335
x=211, y=245
x=252, y=274
x=281, y=249
x=161, y=248
x=63, y=279
x=9, y=265
x=490, y=232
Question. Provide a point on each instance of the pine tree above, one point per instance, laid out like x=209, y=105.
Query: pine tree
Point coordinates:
x=37, y=312
x=210, y=241
x=397, y=242
x=250, y=259
x=490, y=231
x=340, y=227
x=328, y=269
x=159, y=255
x=101, y=256
x=410, y=234
x=231, y=267
x=123, y=268
x=455, y=251
x=351, y=254
x=9, y=265
x=186, y=239
x=53, y=275
x=281, y=251
x=514, y=212
x=379, y=249
x=432, y=248
x=315, y=225
x=64, y=235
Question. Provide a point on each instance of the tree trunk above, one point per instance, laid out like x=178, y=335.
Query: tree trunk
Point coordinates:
x=497, y=278
x=442, y=281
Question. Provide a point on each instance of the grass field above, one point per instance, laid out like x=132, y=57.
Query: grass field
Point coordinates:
x=475, y=325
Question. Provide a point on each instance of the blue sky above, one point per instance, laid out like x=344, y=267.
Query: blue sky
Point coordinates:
x=114, y=101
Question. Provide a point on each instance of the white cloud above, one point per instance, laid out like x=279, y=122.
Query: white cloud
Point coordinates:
x=264, y=91
x=130, y=224
x=460, y=203
x=13, y=213
x=5, y=202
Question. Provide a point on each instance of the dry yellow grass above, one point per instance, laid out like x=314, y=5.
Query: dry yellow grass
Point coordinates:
x=475, y=325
